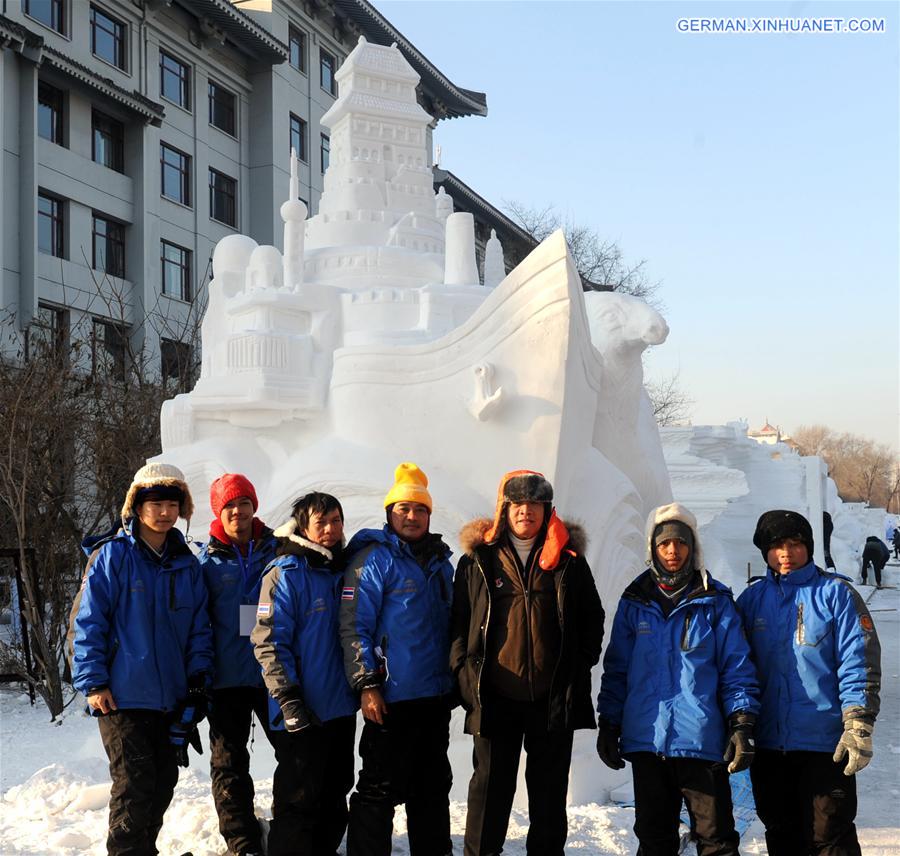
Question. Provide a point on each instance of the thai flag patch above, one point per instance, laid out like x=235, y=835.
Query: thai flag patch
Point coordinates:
x=348, y=592
x=264, y=609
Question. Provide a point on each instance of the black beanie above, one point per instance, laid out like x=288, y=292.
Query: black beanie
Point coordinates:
x=775, y=526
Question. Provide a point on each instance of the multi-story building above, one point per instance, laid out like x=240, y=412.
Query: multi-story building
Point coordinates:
x=138, y=133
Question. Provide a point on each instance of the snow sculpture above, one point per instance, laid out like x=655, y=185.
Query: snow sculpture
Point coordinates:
x=370, y=341
x=494, y=266
x=622, y=328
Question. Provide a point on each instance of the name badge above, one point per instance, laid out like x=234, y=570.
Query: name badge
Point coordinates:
x=247, y=618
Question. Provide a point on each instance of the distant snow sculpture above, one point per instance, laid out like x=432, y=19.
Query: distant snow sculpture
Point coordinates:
x=369, y=340
x=494, y=266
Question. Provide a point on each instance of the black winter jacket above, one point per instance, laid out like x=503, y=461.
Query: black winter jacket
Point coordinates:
x=570, y=702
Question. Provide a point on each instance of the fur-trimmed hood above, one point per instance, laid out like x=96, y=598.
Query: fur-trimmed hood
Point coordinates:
x=560, y=534
x=673, y=511
x=291, y=541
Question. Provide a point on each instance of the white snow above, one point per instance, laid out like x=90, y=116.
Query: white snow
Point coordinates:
x=55, y=786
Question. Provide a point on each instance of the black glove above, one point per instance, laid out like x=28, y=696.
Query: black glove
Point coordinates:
x=296, y=715
x=741, y=746
x=191, y=711
x=608, y=744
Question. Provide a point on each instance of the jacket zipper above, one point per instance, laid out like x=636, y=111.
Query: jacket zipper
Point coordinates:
x=484, y=631
x=685, y=631
x=562, y=635
x=801, y=630
x=527, y=584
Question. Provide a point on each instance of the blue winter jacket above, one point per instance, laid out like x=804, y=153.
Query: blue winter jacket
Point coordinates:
x=672, y=682
x=296, y=635
x=817, y=655
x=395, y=616
x=139, y=625
x=233, y=581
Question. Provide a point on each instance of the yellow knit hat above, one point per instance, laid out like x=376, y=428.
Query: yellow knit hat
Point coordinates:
x=410, y=485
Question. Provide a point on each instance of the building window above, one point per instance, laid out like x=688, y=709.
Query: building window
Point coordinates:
x=109, y=349
x=327, y=68
x=107, y=141
x=176, y=174
x=174, y=80
x=222, y=193
x=51, y=13
x=51, y=225
x=51, y=103
x=177, y=363
x=324, y=151
x=108, y=38
x=176, y=271
x=222, y=109
x=48, y=332
x=108, y=240
x=297, y=44
x=298, y=137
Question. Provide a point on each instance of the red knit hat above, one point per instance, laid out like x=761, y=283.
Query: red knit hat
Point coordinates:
x=228, y=487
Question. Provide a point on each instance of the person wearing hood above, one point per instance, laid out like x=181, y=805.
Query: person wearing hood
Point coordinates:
x=239, y=548
x=395, y=616
x=314, y=711
x=679, y=694
x=819, y=663
x=527, y=628
x=140, y=648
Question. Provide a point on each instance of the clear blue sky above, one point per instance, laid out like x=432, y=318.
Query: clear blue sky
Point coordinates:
x=757, y=174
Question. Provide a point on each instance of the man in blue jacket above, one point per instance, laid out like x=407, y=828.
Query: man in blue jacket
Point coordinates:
x=679, y=694
x=296, y=642
x=239, y=548
x=819, y=663
x=141, y=652
x=395, y=616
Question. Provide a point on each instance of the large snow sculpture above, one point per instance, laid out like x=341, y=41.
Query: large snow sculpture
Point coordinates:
x=371, y=341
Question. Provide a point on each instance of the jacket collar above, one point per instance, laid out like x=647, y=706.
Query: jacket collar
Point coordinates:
x=291, y=542
x=800, y=577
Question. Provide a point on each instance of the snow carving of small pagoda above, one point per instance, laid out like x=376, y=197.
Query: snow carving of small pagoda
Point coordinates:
x=371, y=340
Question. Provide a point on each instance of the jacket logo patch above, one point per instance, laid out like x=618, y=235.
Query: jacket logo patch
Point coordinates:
x=137, y=585
x=348, y=592
x=498, y=582
x=644, y=628
x=409, y=586
x=264, y=609
x=865, y=621
x=318, y=605
x=759, y=623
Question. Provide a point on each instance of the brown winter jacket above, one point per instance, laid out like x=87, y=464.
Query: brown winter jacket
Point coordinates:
x=513, y=643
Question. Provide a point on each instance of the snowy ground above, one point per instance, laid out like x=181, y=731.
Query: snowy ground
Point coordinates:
x=55, y=787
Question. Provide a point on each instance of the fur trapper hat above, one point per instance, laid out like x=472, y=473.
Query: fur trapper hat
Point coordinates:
x=779, y=525
x=519, y=486
x=410, y=485
x=228, y=487
x=562, y=536
x=158, y=475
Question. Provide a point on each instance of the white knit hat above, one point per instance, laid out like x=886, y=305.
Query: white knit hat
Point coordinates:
x=158, y=474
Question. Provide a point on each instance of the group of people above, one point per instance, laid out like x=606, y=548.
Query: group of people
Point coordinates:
x=302, y=630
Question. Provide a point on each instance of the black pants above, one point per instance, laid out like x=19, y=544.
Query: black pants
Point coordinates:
x=865, y=571
x=144, y=773
x=310, y=787
x=404, y=761
x=660, y=785
x=495, y=759
x=230, y=718
x=806, y=802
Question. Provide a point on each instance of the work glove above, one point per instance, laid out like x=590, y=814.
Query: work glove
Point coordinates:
x=856, y=742
x=741, y=746
x=296, y=715
x=608, y=744
x=190, y=712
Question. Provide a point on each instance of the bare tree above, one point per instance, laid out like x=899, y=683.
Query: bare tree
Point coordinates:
x=671, y=404
x=600, y=262
x=863, y=470
x=79, y=413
